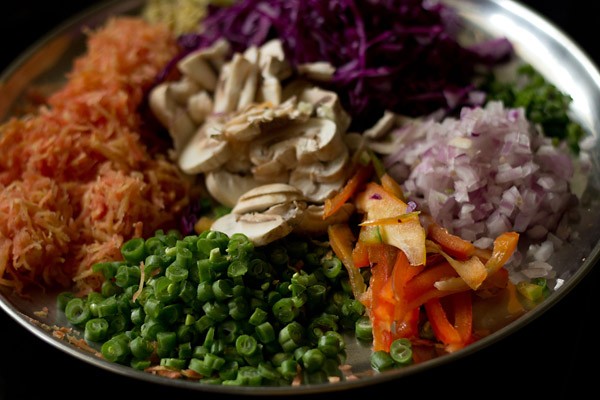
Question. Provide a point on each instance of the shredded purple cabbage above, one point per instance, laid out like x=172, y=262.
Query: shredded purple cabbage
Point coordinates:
x=399, y=55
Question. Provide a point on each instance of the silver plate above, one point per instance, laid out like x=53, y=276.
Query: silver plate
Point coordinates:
x=536, y=41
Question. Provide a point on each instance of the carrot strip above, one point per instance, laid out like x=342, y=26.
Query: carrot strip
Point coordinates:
x=359, y=178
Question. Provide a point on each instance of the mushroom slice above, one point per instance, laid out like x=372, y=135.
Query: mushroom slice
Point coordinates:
x=382, y=126
x=327, y=105
x=175, y=118
x=269, y=189
x=283, y=159
x=272, y=60
x=231, y=79
x=227, y=187
x=199, y=106
x=313, y=223
x=315, y=192
x=320, y=71
x=270, y=90
x=262, y=228
x=181, y=129
x=319, y=140
x=183, y=89
x=204, y=152
x=162, y=104
x=328, y=171
x=198, y=68
x=263, y=197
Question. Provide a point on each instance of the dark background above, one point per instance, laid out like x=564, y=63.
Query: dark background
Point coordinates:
x=554, y=356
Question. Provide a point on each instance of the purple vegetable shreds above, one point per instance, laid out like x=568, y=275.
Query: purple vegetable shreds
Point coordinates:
x=399, y=55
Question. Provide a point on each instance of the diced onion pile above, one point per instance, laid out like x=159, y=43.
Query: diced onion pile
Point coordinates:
x=487, y=172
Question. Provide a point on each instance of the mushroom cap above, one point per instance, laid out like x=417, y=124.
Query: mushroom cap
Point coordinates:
x=227, y=187
x=204, y=152
x=262, y=228
x=263, y=197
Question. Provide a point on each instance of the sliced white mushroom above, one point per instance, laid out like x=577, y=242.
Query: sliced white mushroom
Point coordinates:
x=232, y=78
x=315, y=192
x=198, y=68
x=320, y=71
x=249, y=88
x=270, y=90
x=218, y=53
x=183, y=89
x=262, y=228
x=172, y=116
x=205, y=152
x=245, y=125
x=199, y=106
x=319, y=140
x=181, y=129
x=273, y=188
x=327, y=105
x=239, y=163
x=262, y=198
x=328, y=171
x=272, y=60
x=382, y=126
x=227, y=187
x=162, y=104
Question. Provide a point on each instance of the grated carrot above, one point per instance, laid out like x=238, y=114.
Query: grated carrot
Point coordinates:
x=77, y=178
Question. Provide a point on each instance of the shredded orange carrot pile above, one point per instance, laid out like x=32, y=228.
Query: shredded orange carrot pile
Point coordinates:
x=76, y=179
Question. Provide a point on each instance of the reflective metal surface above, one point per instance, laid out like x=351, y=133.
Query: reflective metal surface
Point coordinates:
x=536, y=41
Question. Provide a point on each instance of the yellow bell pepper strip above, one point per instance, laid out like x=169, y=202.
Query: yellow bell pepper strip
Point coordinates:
x=360, y=255
x=472, y=270
x=504, y=247
x=354, y=184
x=342, y=241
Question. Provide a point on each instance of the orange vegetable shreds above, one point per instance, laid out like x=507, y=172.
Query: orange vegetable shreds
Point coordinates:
x=76, y=180
x=36, y=226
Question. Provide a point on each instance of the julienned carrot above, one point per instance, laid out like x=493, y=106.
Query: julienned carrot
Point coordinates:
x=360, y=177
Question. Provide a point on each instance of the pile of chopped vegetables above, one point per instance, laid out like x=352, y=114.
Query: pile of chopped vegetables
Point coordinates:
x=412, y=251
x=76, y=178
x=405, y=47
